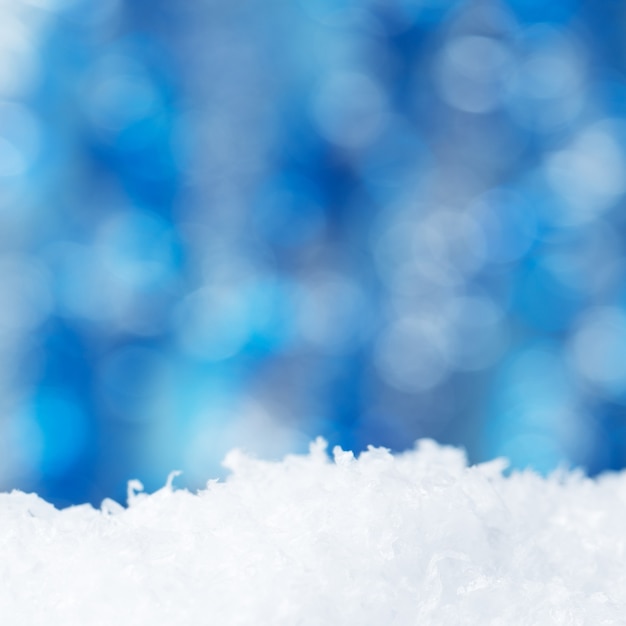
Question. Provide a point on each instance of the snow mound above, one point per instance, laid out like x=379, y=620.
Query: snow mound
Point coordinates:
x=416, y=538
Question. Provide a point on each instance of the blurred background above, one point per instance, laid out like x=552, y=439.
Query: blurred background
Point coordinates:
x=242, y=223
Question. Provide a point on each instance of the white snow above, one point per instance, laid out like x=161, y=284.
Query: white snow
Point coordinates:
x=416, y=538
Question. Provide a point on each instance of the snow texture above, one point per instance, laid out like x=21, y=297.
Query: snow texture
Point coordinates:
x=416, y=538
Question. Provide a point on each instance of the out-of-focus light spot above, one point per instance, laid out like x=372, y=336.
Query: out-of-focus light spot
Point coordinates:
x=411, y=355
x=597, y=349
x=11, y=160
x=63, y=429
x=24, y=294
x=205, y=434
x=20, y=449
x=54, y=5
x=85, y=13
x=554, y=68
x=480, y=333
x=546, y=88
x=453, y=240
x=591, y=173
x=214, y=322
x=477, y=310
x=535, y=401
x=259, y=430
x=18, y=61
x=332, y=313
x=540, y=452
x=588, y=260
x=537, y=377
x=550, y=76
x=470, y=73
x=261, y=302
x=224, y=424
x=350, y=109
x=442, y=248
x=570, y=434
x=122, y=279
x=507, y=223
x=130, y=380
x=337, y=13
x=120, y=93
x=79, y=290
x=136, y=248
x=19, y=139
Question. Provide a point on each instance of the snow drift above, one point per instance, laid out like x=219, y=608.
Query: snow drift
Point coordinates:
x=416, y=538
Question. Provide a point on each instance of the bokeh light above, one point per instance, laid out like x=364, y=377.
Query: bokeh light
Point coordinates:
x=234, y=224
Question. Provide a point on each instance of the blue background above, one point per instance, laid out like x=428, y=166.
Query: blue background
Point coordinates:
x=248, y=223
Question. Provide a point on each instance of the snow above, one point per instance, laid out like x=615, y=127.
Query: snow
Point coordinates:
x=415, y=538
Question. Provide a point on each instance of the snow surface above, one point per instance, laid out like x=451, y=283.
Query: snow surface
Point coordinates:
x=416, y=538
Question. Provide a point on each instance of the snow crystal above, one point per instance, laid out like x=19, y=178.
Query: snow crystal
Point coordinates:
x=415, y=538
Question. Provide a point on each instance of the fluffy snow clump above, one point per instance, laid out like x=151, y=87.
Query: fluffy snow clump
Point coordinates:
x=413, y=539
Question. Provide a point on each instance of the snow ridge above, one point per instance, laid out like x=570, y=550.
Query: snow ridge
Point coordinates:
x=407, y=539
